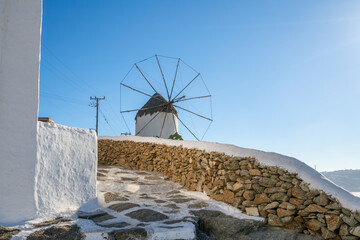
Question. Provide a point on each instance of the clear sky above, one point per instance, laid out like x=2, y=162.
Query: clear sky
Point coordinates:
x=284, y=75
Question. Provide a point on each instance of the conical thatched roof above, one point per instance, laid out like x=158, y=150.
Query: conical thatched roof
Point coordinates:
x=156, y=103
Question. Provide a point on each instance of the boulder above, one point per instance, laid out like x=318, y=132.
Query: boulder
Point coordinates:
x=221, y=226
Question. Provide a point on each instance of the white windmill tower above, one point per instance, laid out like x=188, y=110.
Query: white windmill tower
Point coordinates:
x=156, y=118
x=180, y=96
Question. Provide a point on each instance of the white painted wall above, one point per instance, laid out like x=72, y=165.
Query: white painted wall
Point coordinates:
x=66, y=169
x=45, y=168
x=154, y=127
x=20, y=29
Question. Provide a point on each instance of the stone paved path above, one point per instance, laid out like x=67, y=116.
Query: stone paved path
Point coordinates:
x=145, y=205
x=133, y=199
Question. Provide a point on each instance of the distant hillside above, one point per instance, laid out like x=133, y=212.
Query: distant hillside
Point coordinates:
x=348, y=179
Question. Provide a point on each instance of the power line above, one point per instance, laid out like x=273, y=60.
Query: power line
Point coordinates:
x=61, y=98
x=73, y=82
x=69, y=69
x=60, y=74
x=107, y=121
x=110, y=116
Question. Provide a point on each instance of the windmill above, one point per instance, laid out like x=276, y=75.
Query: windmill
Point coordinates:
x=166, y=96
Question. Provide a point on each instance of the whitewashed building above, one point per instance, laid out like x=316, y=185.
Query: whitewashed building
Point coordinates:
x=157, y=118
x=45, y=168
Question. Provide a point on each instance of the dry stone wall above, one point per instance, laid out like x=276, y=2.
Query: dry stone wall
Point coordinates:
x=282, y=198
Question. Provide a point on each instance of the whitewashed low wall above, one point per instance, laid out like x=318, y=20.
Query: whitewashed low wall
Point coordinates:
x=65, y=174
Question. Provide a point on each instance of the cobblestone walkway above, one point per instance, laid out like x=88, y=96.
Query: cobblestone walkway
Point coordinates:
x=145, y=205
x=146, y=200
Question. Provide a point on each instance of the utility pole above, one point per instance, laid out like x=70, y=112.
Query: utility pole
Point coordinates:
x=97, y=111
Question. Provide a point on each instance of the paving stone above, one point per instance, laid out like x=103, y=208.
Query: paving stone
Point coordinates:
x=178, y=221
x=111, y=197
x=89, y=215
x=142, y=225
x=7, y=233
x=153, y=178
x=142, y=183
x=124, y=172
x=176, y=196
x=119, y=207
x=201, y=204
x=96, y=216
x=181, y=200
x=66, y=232
x=116, y=225
x=173, y=192
x=102, y=218
x=129, y=234
x=147, y=215
x=147, y=197
x=52, y=222
x=172, y=211
x=143, y=173
x=171, y=227
x=129, y=179
x=171, y=205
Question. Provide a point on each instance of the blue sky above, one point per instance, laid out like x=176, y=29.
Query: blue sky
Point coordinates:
x=284, y=75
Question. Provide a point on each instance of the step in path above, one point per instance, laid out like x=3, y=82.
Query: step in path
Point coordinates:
x=145, y=205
